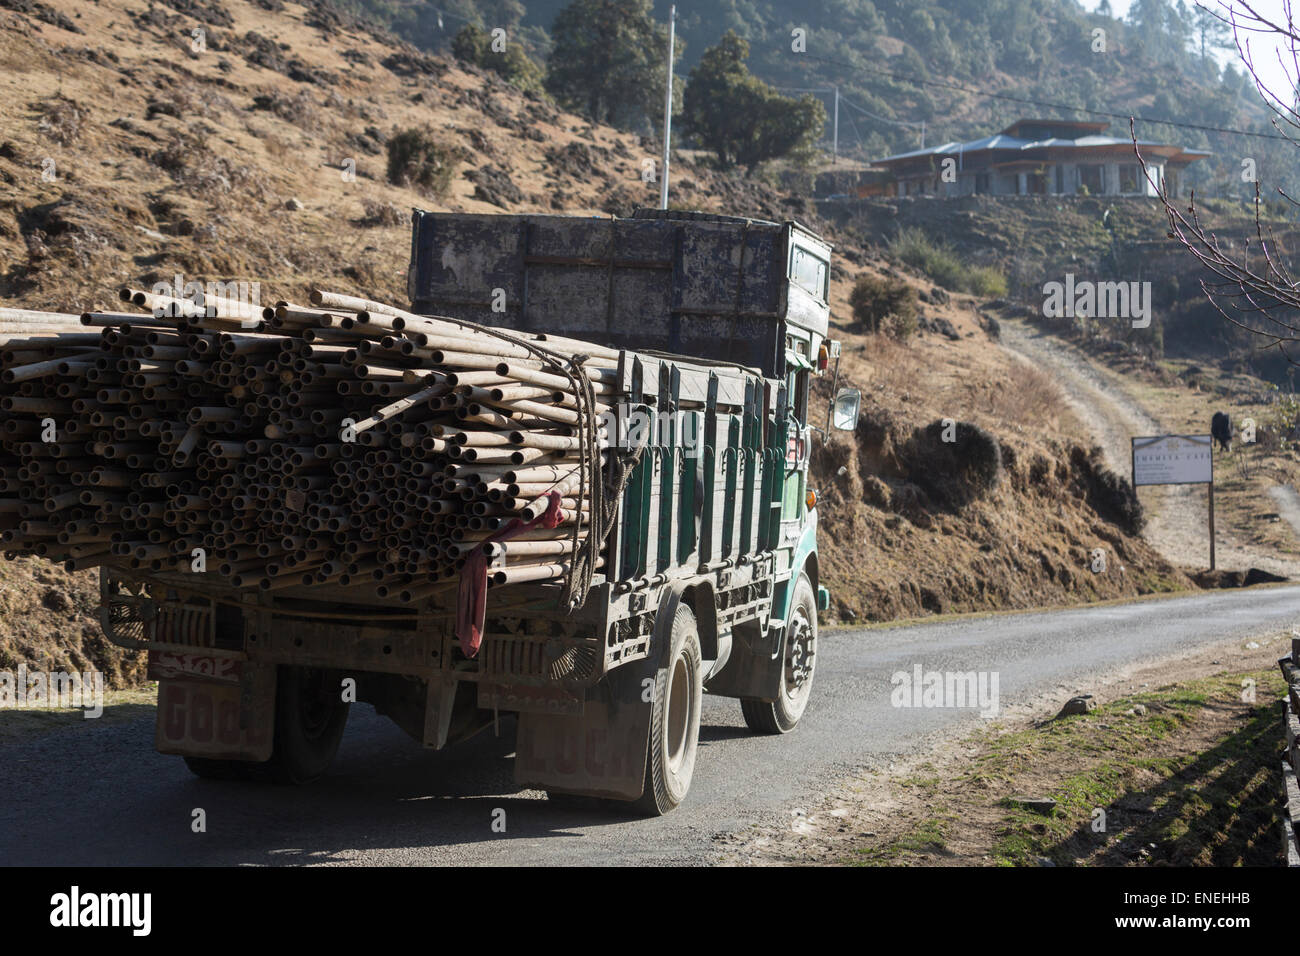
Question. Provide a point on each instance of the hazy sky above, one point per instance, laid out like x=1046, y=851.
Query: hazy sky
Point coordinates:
x=1262, y=46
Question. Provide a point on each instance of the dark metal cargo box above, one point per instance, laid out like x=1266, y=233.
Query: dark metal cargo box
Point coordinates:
x=713, y=287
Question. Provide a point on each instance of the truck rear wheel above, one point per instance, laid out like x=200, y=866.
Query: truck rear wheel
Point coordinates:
x=780, y=716
x=674, y=719
x=310, y=714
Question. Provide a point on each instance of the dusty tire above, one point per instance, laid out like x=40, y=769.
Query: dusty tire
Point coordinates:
x=674, y=719
x=309, y=719
x=781, y=715
x=211, y=769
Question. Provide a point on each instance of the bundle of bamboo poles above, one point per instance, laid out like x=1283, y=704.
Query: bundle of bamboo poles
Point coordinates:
x=345, y=443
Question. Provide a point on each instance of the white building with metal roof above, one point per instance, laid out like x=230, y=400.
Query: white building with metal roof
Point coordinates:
x=1038, y=157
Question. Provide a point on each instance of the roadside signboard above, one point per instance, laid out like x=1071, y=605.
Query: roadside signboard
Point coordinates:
x=1176, y=460
x=1173, y=460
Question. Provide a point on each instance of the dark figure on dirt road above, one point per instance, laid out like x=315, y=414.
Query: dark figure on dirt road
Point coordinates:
x=1221, y=430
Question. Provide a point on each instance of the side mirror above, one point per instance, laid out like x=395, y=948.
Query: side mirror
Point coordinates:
x=844, y=411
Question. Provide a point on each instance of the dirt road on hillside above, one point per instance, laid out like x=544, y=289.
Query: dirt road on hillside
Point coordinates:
x=1177, y=515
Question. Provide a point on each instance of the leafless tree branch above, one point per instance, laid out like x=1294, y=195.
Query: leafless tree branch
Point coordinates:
x=1254, y=283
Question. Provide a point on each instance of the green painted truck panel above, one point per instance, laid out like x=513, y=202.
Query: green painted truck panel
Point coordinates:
x=719, y=320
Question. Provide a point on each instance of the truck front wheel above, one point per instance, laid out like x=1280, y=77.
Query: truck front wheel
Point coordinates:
x=675, y=719
x=780, y=716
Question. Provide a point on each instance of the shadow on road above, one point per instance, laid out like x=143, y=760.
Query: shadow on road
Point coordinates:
x=721, y=732
x=384, y=793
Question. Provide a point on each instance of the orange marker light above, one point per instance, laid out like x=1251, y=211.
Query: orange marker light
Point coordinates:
x=812, y=499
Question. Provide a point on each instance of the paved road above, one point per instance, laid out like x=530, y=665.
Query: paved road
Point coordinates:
x=98, y=794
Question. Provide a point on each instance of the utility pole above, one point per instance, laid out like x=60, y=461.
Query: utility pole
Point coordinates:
x=668, y=106
x=835, y=130
x=923, y=134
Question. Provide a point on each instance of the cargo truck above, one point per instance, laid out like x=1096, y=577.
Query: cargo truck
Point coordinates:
x=709, y=581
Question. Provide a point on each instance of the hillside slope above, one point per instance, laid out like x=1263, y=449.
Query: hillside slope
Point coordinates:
x=164, y=159
x=963, y=68
x=128, y=156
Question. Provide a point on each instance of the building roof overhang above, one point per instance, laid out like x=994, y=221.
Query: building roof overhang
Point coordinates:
x=1005, y=147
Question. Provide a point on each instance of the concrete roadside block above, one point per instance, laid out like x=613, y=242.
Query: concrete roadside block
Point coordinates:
x=1291, y=674
x=1292, y=722
x=1291, y=761
x=1291, y=839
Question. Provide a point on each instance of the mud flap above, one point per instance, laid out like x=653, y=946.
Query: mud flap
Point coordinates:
x=601, y=753
x=440, y=701
x=754, y=668
x=227, y=717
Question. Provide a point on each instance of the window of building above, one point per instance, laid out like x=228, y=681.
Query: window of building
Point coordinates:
x=982, y=183
x=1129, y=177
x=1092, y=178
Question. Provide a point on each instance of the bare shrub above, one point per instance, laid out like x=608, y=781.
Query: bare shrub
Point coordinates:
x=190, y=161
x=299, y=108
x=884, y=304
x=61, y=120
x=955, y=462
x=381, y=214
x=416, y=158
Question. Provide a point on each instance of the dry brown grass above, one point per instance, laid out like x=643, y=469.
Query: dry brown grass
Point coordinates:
x=1029, y=398
x=277, y=147
x=891, y=365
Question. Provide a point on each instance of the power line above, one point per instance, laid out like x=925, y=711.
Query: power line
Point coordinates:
x=857, y=135
x=845, y=99
x=838, y=97
x=1045, y=104
x=883, y=119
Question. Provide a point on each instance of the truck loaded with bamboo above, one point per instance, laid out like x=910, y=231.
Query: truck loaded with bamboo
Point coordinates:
x=568, y=482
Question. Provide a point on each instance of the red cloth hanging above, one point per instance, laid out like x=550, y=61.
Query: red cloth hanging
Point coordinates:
x=471, y=599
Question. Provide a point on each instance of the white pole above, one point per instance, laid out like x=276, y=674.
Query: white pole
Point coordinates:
x=835, y=134
x=668, y=106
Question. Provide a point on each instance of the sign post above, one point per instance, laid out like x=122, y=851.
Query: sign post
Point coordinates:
x=1176, y=460
x=1211, y=523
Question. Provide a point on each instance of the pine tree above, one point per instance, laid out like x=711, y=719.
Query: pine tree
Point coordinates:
x=1211, y=32
x=608, y=62
x=739, y=117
